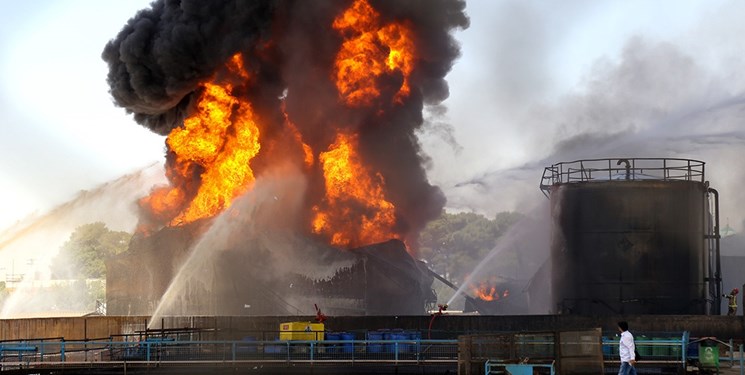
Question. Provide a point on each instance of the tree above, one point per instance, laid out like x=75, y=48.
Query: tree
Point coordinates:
x=454, y=244
x=83, y=255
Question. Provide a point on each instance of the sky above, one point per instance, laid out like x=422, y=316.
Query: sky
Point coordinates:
x=60, y=131
x=541, y=82
x=537, y=82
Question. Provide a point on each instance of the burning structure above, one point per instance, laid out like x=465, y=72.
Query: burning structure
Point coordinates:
x=633, y=236
x=321, y=99
x=381, y=279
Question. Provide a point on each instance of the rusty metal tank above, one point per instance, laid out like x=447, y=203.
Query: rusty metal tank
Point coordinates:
x=631, y=236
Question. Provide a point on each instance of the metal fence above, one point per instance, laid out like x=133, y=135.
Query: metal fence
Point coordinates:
x=672, y=349
x=570, y=352
x=39, y=353
x=581, y=352
x=660, y=352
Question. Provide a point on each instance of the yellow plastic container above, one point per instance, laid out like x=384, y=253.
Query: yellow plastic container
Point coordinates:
x=303, y=331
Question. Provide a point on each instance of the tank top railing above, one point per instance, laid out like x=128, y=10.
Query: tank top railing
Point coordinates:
x=622, y=169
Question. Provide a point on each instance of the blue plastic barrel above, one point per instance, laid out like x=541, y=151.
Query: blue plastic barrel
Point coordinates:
x=348, y=345
x=606, y=349
x=692, y=351
x=388, y=335
x=402, y=347
x=249, y=346
x=332, y=336
x=375, y=347
x=275, y=349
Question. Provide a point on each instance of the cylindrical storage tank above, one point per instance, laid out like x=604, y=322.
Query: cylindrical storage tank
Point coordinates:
x=628, y=239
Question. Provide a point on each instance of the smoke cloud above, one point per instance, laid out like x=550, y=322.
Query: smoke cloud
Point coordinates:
x=655, y=100
x=159, y=59
x=160, y=56
x=27, y=249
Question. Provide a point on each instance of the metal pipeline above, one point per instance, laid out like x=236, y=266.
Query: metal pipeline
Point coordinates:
x=717, y=260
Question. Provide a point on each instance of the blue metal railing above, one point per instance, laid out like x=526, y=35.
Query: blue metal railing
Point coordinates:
x=166, y=350
x=661, y=349
x=651, y=349
x=668, y=350
x=657, y=350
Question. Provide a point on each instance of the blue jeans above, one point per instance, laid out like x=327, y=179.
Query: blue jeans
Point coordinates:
x=626, y=369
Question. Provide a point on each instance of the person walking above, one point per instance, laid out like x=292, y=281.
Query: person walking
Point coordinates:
x=627, y=350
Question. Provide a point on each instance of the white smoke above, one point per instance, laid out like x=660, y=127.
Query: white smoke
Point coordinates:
x=27, y=248
x=661, y=96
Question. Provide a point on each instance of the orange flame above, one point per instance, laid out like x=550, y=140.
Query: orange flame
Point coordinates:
x=369, y=51
x=354, y=211
x=486, y=290
x=219, y=139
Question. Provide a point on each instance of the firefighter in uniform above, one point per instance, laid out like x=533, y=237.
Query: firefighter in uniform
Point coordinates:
x=732, y=298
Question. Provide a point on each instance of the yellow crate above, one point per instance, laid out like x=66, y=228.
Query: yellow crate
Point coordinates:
x=304, y=331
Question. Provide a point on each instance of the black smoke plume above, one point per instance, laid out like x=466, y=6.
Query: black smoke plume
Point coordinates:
x=160, y=57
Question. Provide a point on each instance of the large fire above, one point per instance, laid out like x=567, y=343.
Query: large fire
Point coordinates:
x=219, y=140
x=350, y=185
x=371, y=50
x=213, y=149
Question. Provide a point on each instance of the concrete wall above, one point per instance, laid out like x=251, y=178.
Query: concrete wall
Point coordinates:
x=446, y=326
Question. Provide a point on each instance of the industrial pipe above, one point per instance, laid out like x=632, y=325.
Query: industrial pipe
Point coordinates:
x=717, y=260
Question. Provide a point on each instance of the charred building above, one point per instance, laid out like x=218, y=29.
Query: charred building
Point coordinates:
x=158, y=275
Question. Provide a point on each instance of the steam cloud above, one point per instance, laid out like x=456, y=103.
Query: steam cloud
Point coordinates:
x=159, y=58
x=657, y=99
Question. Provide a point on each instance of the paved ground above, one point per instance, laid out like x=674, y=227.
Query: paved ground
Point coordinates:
x=730, y=371
x=735, y=370
x=724, y=370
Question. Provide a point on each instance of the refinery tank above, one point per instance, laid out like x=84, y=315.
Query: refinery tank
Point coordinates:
x=633, y=236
